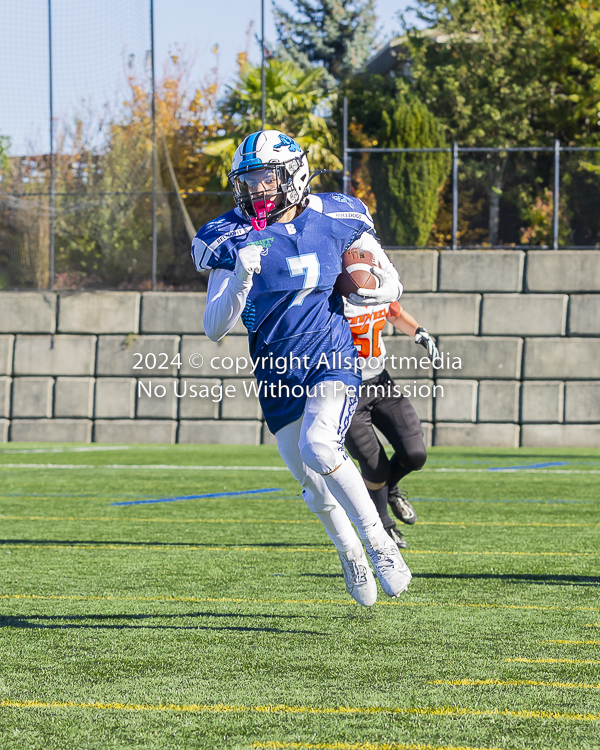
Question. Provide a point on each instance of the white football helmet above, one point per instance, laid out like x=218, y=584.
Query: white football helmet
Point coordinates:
x=269, y=175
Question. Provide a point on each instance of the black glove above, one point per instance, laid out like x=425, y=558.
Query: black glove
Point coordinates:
x=423, y=338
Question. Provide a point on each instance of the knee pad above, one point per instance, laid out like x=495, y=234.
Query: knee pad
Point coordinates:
x=320, y=457
x=416, y=458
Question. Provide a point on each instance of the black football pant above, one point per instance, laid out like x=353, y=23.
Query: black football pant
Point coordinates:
x=395, y=417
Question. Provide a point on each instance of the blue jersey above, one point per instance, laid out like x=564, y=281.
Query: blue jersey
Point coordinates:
x=292, y=310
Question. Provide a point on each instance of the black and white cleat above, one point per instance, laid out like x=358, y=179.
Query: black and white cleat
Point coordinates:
x=401, y=508
x=397, y=537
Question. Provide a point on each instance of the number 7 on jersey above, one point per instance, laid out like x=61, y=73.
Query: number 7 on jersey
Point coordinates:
x=307, y=265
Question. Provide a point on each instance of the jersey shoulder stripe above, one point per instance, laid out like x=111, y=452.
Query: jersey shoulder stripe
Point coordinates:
x=208, y=249
x=200, y=254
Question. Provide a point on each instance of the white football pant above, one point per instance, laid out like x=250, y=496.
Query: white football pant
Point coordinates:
x=312, y=448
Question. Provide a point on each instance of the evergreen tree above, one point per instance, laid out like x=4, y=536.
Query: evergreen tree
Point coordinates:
x=336, y=34
x=405, y=187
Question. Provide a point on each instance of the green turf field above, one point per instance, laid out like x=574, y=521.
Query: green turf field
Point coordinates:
x=223, y=622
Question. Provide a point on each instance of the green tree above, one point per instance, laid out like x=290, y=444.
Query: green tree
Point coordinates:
x=405, y=188
x=24, y=220
x=7, y=243
x=4, y=146
x=338, y=35
x=293, y=99
x=508, y=73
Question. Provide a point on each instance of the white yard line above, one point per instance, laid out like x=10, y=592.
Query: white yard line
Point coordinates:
x=87, y=449
x=169, y=467
x=159, y=467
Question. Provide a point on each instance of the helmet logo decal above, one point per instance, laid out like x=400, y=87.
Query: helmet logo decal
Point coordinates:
x=285, y=140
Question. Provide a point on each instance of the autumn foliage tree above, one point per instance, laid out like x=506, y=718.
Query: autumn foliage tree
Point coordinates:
x=103, y=236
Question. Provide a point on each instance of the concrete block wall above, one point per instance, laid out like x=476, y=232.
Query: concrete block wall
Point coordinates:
x=525, y=326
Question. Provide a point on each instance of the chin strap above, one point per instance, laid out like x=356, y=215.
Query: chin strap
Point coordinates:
x=262, y=209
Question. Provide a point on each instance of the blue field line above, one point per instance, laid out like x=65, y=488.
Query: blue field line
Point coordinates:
x=465, y=500
x=199, y=497
x=529, y=466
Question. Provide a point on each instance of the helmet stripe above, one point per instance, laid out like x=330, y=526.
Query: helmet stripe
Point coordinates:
x=250, y=145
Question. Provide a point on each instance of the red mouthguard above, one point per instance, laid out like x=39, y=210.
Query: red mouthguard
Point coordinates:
x=262, y=208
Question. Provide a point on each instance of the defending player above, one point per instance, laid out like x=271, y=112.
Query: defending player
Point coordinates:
x=392, y=414
x=274, y=261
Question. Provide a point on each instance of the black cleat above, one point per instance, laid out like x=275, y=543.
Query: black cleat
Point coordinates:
x=401, y=508
x=397, y=537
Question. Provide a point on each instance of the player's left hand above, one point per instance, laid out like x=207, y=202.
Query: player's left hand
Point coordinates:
x=423, y=338
x=389, y=290
x=248, y=262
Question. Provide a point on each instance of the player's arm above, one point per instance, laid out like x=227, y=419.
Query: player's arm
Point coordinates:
x=401, y=320
x=405, y=323
x=390, y=287
x=227, y=293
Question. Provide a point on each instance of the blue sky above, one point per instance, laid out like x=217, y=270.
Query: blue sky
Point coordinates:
x=95, y=42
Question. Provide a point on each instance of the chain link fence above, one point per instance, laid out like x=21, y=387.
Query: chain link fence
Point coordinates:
x=478, y=197
x=89, y=198
x=488, y=198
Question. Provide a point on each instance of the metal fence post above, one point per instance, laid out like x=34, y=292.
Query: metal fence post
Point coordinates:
x=263, y=93
x=154, y=170
x=454, y=195
x=556, y=193
x=51, y=157
x=346, y=178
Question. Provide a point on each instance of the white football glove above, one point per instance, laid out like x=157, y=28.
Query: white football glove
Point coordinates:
x=248, y=262
x=389, y=290
x=423, y=338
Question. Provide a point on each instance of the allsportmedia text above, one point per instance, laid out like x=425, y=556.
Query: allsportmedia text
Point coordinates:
x=332, y=361
x=249, y=388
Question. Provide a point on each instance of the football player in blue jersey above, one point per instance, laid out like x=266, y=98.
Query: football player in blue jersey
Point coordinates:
x=274, y=261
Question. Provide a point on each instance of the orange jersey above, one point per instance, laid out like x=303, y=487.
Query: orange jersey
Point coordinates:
x=367, y=324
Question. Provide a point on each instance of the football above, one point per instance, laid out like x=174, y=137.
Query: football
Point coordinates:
x=356, y=272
